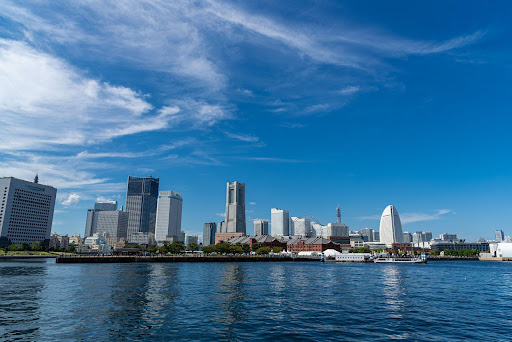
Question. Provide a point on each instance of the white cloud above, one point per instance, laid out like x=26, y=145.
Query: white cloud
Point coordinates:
x=71, y=199
x=104, y=200
x=242, y=137
x=252, y=203
x=221, y=214
x=349, y=90
x=418, y=217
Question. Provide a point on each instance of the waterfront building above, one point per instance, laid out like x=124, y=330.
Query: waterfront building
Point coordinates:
x=459, y=245
x=260, y=227
x=26, y=211
x=235, y=208
x=314, y=244
x=75, y=239
x=422, y=239
x=501, y=249
x=141, y=205
x=114, y=223
x=192, y=239
x=376, y=236
x=168, y=216
x=262, y=240
x=97, y=243
x=209, y=231
x=390, y=226
x=367, y=234
x=407, y=237
x=58, y=242
x=300, y=227
x=223, y=237
x=143, y=238
x=280, y=222
x=500, y=236
x=448, y=237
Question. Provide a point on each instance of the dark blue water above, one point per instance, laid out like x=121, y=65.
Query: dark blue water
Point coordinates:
x=441, y=301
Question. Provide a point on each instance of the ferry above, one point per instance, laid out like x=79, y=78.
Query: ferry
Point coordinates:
x=402, y=260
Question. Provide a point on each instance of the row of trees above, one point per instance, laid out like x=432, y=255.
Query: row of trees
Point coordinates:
x=226, y=248
x=25, y=246
x=462, y=252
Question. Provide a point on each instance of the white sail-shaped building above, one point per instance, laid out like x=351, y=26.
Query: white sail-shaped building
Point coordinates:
x=390, y=227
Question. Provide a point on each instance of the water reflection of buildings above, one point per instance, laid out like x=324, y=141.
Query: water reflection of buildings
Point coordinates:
x=22, y=309
x=232, y=295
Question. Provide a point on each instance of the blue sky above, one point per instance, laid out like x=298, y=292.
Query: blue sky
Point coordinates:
x=310, y=103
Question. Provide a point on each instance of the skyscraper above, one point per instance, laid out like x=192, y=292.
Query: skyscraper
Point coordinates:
x=367, y=234
x=91, y=223
x=407, y=237
x=390, y=226
x=260, y=227
x=26, y=211
x=300, y=226
x=235, y=208
x=141, y=204
x=168, y=218
x=500, y=236
x=338, y=214
x=209, y=230
x=280, y=222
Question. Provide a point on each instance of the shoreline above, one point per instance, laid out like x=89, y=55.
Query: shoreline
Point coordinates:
x=145, y=259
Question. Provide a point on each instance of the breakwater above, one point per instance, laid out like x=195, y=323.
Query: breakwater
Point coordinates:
x=143, y=259
x=450, y=258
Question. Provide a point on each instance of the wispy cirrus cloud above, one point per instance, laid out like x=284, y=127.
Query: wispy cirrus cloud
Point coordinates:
x=415, y=217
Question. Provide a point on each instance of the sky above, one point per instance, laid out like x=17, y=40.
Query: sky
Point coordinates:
x=311, y=104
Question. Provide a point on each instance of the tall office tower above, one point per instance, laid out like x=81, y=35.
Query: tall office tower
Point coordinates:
x=192, y=239
x=209, y=230
x=141, y=203
x=376, y=236
x=235, y=208
x=367, y=234
x=500, y=236
x=26, y=211
x=106, y=206
x=260, y=227
x=280, y=222
x=407, y=237
x=390, y=226
x=222, y=226
x=112, y=222
x=300, y=226
x=168, y=218
x=338, y=214
x=91, y=223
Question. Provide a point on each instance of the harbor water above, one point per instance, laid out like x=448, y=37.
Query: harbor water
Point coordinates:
x=302, y=301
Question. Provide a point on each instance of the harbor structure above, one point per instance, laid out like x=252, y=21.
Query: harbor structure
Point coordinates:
x=209, y=231
x=168, y=217
x=280, y=222
x=141, y=205
x=26, y=211
x=235, y=208
x=260, y=227
x=390, y=226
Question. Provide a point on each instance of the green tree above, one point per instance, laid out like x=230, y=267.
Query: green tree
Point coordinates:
x=25, y=246
x=256, y=246
x=208, y=249
x=235, y=249
x=36, y=246
x=222, y=247
x=176, y=247
x=277, y=249
x=246, y=248
x=14, y=248
x=263, y=250
x=192, y=246
x=71, y=248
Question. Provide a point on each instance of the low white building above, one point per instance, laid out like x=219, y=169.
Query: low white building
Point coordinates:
x=353, y=257
x=501, y=249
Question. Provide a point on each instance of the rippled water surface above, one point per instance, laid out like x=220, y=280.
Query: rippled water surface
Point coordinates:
x=439, y=301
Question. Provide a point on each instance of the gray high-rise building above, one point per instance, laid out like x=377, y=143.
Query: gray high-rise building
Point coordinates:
x=338, y=214
x=141, y=204
x=367, y=234
x=168, y=218
x=112, y=222
x=209, y=230
x=300, y=226
x=235, y=208
x=192, y=239
x=260, y=227
x=376, y=236
x=500, y=236
x=280, y=222
x=26, y=211
x=91, y=223
x=407, y=237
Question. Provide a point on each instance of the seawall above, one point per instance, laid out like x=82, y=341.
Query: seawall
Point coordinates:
x=127, y=259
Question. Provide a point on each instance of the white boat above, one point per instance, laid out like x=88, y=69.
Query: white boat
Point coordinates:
x=401, y=260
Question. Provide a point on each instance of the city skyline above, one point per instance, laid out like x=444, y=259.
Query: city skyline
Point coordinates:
x=311, y=105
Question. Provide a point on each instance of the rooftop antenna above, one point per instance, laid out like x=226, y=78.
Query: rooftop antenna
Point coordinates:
x=36, y=179
x=338, y=214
